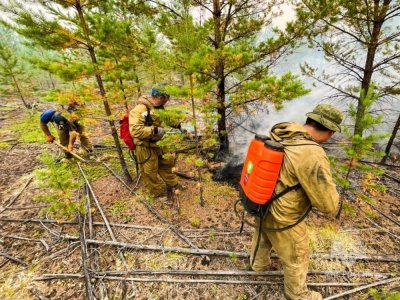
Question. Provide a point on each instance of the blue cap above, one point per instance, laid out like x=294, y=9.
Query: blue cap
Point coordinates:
x=158, y=90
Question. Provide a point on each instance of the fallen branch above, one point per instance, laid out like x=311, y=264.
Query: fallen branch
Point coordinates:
x=379, y=226
x=71, y=152
x=43, y=242
x=103, y=215
x=154, y=211
x=214, y=234
x=14, y=259
x=107, y=223
x=215, y=252
x=86, y=275
x=101, y=291
x=361, y=288
x=383, y=214
x=26, y=207
x=379, y=164
x=55, y=254
x=17, y=196
x=168, y=280
x=9, y=140
x=133, y=226
x=239, y=273
x=391, y=177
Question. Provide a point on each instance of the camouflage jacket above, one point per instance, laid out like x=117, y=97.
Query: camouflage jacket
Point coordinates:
x=141, y=130
x=305, y=162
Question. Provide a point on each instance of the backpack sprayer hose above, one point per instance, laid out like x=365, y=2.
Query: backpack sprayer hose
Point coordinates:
x=269, y=229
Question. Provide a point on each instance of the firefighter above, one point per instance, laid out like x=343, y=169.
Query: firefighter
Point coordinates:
x=146, y=129
x=68, y=126
x=305, y=163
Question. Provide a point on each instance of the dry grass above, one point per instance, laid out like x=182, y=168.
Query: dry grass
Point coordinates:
x=330, y=238
x=16, y=284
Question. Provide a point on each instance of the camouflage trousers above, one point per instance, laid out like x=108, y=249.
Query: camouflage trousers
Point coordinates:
x=63, y=134
x=152, y=164
x=293, y=250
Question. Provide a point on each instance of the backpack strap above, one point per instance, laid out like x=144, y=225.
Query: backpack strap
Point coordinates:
x=285, y=191
x=148, y=120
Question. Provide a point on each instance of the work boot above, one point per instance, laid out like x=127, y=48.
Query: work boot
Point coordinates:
x=177, y=189
x=170, y=196
x=309, y=295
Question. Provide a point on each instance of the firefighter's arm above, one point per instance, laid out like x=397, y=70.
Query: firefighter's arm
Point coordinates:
x=137, y=120
x=49, y=137
x=319, y=186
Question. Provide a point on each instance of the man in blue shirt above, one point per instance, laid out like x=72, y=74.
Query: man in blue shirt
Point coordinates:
x=67, y=126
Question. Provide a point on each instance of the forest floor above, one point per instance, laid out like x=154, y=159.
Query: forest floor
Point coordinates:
x=41, y=256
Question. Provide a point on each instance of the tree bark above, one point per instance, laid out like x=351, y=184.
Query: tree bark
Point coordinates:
x=121, y=85
x=220, y=74
x=52, y=81
x=20, y=92
x=391, y=140
x=100, y=84
x=196, y=136
x=378, y=19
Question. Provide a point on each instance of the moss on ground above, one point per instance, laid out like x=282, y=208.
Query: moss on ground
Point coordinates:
x=27, y=129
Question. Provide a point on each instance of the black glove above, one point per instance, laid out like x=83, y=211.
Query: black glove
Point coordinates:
x=159, y=132
x=179, y=126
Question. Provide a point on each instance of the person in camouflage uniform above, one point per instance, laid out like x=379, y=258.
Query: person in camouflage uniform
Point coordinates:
x=305, y=162
x=68, y=126
x=146, y=130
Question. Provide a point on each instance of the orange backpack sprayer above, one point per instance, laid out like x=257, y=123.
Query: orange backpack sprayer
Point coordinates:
x=260, y=174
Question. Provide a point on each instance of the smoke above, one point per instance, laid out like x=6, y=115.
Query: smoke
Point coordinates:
x=262, y=122
x=295, y=110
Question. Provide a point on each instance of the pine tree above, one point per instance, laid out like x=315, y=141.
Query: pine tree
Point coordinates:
x=237, y=60
x=391, y=139
x=360, y=41
x=362, y=147
x=66, y=31
x=12, y=71
x=61, y=185
x=118, y=32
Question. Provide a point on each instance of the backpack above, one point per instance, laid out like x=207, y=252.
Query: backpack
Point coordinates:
x=124, y=132
x=260, y=174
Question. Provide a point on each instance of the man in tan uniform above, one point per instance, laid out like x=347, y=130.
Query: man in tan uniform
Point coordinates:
x=68, y=126
x=146, y=129
x=305, y=162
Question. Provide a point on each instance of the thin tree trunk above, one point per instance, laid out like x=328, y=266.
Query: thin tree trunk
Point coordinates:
x=52, y=81
x=196, y=137
x=378, y=19
x=121, y=85
x=20, y=92
x=391, y=140
x=100, y=84
x=138, y=83
x=219, y=71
